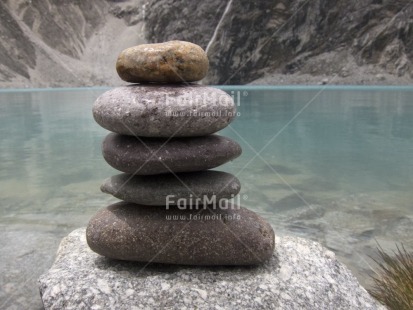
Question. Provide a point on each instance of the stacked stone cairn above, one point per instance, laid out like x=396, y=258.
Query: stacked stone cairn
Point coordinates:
x=174, y=209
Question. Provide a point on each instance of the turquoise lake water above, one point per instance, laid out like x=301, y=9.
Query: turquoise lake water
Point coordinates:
x=332, y=164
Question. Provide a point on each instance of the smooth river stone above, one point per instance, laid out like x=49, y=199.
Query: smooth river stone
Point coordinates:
x=183, y=189
x=169, y=62
x=164, y=110
x=235, y=236
x=140, y=156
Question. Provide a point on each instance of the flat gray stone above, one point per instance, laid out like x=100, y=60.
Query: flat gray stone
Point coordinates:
x=211, y=236
x=164, y=110
x=168, y=62
x=301, y=274
x=145, y=156
x=183, y=189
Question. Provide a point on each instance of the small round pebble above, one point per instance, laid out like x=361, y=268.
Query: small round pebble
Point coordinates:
x=169, y=62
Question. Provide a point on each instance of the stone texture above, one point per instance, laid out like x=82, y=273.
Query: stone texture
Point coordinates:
x=169, y=189
x=164, y=110
x=154, y=156
x=230, y=235
x=168, y=62
x=300, y=275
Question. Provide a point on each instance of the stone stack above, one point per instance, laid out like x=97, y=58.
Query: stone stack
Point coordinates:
x=174, y=209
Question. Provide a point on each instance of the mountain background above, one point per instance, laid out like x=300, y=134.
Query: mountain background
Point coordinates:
x=69, y=43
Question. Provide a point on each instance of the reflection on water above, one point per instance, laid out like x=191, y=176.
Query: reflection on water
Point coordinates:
x=333, y=166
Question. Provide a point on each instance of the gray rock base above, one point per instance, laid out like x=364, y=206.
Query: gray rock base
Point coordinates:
x=301, y=275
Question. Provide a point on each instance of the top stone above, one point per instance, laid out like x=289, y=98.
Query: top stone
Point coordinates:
x=169, y=62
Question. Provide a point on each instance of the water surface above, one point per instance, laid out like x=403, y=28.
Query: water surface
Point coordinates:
x=330, y=164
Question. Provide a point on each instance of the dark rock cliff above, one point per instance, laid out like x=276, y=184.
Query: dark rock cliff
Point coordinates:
x=255, y=37
x=75, y=43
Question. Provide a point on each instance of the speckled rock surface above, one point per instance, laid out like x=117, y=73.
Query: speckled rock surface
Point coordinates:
x=300, y=275
x=168, y=189
x=154, y=156
x=168, y=62
x=164, y=110
x=224, y=235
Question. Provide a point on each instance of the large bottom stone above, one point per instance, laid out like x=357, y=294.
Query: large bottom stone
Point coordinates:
x=301, y=274
x=233, y=236
x=183, y=189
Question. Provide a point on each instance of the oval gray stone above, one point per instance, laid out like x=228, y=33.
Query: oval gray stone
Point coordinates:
x=235, y=236
x=164, y=110
x=183, y=189
x=143, y=156
x=168, y=62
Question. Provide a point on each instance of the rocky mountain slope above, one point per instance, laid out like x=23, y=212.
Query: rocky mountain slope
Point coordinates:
x=50, y=43
x=47, y=43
